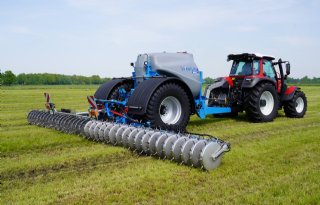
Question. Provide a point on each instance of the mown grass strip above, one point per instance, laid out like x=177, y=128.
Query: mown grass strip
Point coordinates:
x=270, y=163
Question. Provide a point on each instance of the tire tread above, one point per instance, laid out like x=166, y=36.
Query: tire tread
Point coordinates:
x=251, y=103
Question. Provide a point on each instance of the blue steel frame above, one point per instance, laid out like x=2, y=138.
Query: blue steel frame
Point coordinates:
x=201, y=108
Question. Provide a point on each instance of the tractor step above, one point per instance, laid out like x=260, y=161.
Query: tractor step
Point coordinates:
x=191, y=149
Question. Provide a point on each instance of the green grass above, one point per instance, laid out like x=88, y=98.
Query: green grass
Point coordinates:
x=270, y=163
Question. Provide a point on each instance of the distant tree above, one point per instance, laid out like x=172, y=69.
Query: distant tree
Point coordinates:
x=305, y=80
x=8, y=78
x=1, y=75
x=95, y=79
x=208, y=80
x=57, y=79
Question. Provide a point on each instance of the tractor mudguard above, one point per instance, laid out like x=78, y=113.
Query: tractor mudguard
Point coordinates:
x=138, y=101
x=105, y=89
x=219, y=83
x=251, y=82
x=289, y=93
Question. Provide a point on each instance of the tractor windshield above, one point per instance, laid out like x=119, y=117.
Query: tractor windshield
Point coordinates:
x=244, y=68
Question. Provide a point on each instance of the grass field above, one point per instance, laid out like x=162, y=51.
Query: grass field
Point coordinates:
x=270, y=163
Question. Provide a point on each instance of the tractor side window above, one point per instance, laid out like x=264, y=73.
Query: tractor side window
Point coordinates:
x=241, y=68
x=256, y=69
x=268, y=70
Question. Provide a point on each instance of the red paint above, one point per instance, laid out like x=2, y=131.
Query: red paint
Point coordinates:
x=246, y=76
x=47, y=97
x=279, y=85
x=229, y=80
x=290, y=90
x=116, y=113
x=92, y=102
x=261, y=69
x=100, y=106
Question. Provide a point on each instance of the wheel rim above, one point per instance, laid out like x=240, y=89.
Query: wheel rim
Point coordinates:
x=266, y=103
x=299, y=105
x=170, y=110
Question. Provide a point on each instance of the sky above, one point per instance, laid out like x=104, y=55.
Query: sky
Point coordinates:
x=102, y=37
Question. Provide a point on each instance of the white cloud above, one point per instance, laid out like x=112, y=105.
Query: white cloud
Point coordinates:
x=113, y=32
x=295, y=40
x=125, y=35
x=107, y=7
x=187, y=16
x=21, y=30
x=247, y=29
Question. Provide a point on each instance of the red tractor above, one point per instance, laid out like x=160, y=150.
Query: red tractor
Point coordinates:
x=258, y=88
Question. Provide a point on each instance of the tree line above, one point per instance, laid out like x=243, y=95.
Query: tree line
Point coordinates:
x=9, y=78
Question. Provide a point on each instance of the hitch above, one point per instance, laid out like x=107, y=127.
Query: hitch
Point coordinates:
x=93, y=109
x=49, y=105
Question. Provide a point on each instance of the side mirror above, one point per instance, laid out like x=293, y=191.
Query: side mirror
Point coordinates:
x=132, y=64
x=288, y=68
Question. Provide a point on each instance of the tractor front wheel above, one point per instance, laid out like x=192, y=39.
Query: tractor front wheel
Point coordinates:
x=261, y=103
x=297, y=106
x=169, y=108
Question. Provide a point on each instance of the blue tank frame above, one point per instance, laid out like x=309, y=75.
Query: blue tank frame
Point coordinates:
x=202, y=110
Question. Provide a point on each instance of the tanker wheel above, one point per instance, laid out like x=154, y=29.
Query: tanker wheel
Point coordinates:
x=115, y=95
x=169, y=108
x=261, y=103
x=297, y=106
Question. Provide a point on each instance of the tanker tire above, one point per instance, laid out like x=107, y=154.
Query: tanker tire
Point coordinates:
x=175, y=96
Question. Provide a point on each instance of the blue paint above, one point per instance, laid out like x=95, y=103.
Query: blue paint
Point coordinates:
x=202, y=109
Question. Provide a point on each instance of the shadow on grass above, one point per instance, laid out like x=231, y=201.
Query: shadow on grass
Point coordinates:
x=212, y=119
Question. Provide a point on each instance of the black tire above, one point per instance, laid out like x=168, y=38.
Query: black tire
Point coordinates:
x=114, y=95
x=291, y=107
x=253, y=103
x=155, y=105
x=104, y=90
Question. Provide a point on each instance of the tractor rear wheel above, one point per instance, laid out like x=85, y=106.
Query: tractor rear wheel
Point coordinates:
x=261, y=103
x=297, y=106
x=169, y=108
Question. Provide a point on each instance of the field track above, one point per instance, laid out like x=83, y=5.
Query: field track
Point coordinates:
x=270, y=163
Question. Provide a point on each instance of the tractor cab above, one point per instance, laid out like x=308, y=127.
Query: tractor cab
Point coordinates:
x=246, y=64
x=257, y=66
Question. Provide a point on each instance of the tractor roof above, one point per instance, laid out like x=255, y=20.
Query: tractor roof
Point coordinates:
x=244, y=56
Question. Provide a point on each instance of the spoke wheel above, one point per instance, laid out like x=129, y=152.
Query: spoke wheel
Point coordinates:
x=170, y=110
x=266, y=103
